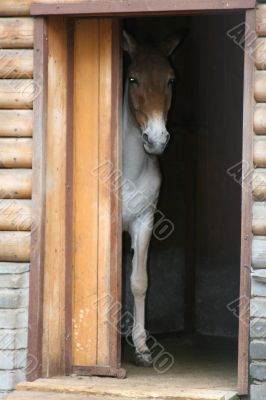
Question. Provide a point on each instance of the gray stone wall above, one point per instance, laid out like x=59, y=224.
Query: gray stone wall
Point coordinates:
x=14, y=284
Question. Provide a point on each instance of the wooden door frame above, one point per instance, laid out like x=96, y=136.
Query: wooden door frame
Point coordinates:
x=114, y=9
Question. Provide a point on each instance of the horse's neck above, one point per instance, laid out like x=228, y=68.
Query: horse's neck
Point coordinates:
x=135, y=159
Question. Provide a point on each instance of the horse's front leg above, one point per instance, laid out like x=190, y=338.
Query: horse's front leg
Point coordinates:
x=140, y=234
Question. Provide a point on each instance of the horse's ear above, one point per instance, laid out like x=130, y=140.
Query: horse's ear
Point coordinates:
x=169, y=45
x=129, y=44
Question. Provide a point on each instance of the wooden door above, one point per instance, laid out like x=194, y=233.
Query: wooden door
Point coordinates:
x=94, y=153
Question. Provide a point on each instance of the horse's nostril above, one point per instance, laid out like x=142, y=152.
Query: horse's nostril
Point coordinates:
x=145, y=138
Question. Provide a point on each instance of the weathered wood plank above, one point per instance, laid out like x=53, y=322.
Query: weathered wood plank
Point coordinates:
x=15, y=215
x=259, y=219
x=260, y=86
x=16, y=123
x=259, y=252
x=104, y=242
x=85, y=186
x=15, y=153
x=15, y=7
x=16, y=33
x=260, y=119
x=261, y=20
x=15, y=246
x=260, y=54
x=17, y=93
x=16, y=63
x=260, y=151
x=259, y=185
x=54, y=257
x=15, y=183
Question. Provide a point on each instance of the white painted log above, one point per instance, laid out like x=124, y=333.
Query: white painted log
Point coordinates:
x=260, y=119
x=15, y=215
x=260, y=151
x=15, y=153
x=260, y=53
x=15, y=183
x=259, y=218
x=16, y=123
x=16, y=64
x=15, y=246
x=259, y=252
x=17, y=93
x=260, y=86
x=259, y=184
x=16, y=33
x=15, y=7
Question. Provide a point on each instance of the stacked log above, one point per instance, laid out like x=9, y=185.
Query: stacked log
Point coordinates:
x=17, y=92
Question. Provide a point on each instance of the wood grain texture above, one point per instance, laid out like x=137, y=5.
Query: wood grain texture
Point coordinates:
x=54, y=257
x=85, y=192
x=260, y=151
x=259, y=185
x=17, y=93
x=259, y=219
x=260, y=54
x=261, y=20
x=15, y=215
x=137, y=7
x=38, y=202
x=15, y=153
x=246, y=208
x=16, y=63
x=15, y=183
x=260, y=119
x=259, y=252
x=15, y=246
x=260, y=86
x=105, y=215
x=16, y=123
x=16, y=33
x=14, y=7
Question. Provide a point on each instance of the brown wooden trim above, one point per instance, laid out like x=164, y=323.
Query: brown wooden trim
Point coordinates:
x=246, y=224
x=69, y=200
x=116, y=213
x=136, y=7
x=100, y=371
x=34, y=368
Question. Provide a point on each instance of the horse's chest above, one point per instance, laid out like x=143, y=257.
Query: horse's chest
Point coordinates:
x=140, y=195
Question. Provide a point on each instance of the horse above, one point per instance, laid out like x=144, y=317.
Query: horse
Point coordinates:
x=147, y=100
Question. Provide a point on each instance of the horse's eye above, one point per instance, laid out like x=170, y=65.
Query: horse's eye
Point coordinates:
x=171, y=81
x=132, y=80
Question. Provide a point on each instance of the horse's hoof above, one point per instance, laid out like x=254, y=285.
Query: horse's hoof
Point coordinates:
x=143, y=359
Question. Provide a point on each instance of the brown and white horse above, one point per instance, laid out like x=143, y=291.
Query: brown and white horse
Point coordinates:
x=147, y=99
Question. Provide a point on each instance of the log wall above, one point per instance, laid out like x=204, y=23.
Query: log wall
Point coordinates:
x=16, y=98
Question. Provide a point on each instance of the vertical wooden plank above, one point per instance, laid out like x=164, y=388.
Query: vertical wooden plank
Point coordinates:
x=38, y=202
x=104, y=250
x=54, y=278
x=116, y=211
x=69, y=198
x=246, y=220
x=85, y=192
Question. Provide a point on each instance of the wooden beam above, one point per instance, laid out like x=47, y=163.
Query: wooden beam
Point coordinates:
x=16, y=63
x=16, y=33
x=246, y=210
x=38, y=203
x=137, y=7
x=15, y=153
x=16, y=123
x=15, y=183
x=14, y=7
